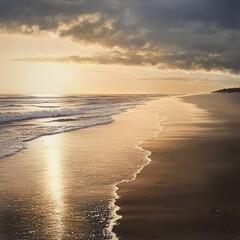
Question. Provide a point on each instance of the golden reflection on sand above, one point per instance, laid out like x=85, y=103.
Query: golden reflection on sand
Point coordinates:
x=54, y=183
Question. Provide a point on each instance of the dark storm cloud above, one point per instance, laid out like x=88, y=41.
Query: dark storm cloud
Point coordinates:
x=47, y=14
x=185, y=34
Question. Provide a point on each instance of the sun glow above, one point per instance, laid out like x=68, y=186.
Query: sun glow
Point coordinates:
x=51, y=77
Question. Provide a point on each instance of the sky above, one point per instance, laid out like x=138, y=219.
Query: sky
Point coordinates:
x=118, y=46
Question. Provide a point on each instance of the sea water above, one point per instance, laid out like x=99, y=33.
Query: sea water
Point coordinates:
x=24, y=118
x=64, y=186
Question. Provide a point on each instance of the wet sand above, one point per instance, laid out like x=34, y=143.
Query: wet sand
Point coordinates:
x=191, y=190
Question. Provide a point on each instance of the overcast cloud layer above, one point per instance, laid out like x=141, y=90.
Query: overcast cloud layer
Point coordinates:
x=177, y=34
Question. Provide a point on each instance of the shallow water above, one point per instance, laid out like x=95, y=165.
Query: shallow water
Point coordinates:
x=25, y=118
x=63, y=186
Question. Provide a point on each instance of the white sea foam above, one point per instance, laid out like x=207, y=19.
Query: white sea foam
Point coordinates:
x=19, y=116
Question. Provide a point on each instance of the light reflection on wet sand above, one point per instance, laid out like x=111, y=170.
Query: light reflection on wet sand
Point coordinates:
x=54, y=182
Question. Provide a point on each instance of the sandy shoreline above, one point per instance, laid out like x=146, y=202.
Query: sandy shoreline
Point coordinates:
x=190, y=190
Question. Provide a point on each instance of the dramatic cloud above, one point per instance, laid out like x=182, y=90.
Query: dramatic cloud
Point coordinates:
x=184, y=34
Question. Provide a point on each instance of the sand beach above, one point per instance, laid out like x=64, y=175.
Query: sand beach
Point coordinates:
x=190, y=190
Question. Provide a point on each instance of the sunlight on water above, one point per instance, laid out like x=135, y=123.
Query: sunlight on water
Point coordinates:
x=54, y=183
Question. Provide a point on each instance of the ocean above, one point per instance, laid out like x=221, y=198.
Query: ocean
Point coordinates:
x=63, y=185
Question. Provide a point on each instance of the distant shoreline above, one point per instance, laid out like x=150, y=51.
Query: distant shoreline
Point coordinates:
x=228, y=90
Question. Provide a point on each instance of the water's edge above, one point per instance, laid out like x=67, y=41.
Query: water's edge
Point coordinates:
x=146, y=156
